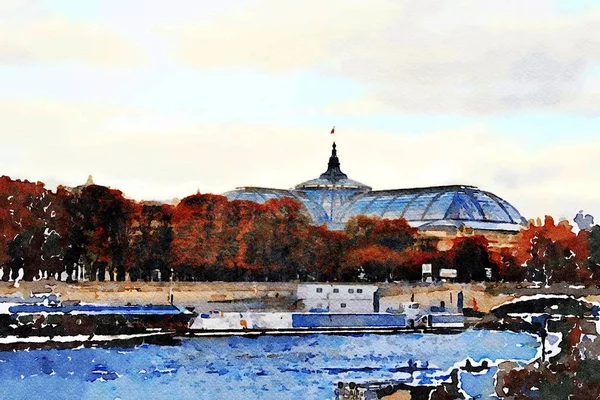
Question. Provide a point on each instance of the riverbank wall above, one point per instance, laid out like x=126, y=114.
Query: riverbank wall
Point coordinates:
x=278, y=296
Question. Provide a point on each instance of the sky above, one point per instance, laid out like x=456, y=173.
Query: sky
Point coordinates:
x=164, y=99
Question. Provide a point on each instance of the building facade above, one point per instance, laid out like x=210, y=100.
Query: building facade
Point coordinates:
x=443, y=212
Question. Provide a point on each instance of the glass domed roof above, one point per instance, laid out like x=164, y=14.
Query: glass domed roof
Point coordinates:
x=332, y=190
x=333, y=199
x=428, y=207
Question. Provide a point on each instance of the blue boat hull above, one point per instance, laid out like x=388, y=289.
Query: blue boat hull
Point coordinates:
x=301, y=321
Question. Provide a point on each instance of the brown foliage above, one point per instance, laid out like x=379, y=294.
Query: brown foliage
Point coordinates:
x=508, y=267
x=375, y=262
x=207, y=237
x=553, y=252
x=394, y=234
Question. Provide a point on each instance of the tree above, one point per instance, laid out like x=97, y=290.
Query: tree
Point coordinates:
x=27, y=229
x=106, y=218
x=412, y=262
x=150, y=242
x=373, y=263
x=257, y=242
x=197, y=226
x=553, y=252
x=240, y=239
x=471, y=259
x=69, y=225
x=329, y=248
x=289, y=227
x=509, y=269
x=394, y=234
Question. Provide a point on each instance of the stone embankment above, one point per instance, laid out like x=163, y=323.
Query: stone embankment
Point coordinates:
x=278, y=296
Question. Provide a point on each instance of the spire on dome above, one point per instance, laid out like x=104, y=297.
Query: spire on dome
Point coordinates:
x=333, y=173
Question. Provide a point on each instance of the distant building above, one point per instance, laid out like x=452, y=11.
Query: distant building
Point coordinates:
x=443, y=212
x=339, y=298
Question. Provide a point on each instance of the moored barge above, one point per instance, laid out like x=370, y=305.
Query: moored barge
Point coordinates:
x=332, y=309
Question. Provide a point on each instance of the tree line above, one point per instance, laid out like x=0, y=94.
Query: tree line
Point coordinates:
x=95, y=233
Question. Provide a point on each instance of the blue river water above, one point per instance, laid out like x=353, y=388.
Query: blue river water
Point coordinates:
x=266, y=367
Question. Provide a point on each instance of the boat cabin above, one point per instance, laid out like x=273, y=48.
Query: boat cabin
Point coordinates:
x=339, y=298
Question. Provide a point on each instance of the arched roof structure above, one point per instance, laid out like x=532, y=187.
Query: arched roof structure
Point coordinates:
x=333, y=199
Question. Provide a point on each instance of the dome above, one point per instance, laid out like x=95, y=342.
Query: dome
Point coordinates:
x=333, y=199
x=322, y=197
x=332, y=190
x=438, y=207
x=333, y=178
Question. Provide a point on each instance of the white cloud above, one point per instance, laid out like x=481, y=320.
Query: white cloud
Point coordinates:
x=274, y=35
x=55, y=40
x=469, y=56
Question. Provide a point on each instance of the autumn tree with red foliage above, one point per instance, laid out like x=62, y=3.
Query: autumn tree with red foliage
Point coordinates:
x=377, y=263
x=29, y=241
x=240, y=240
x=395, y=234
x=96, y=230
x=289, y=228
x=276, y=241
x=593, y=239
x=413, y=260
x=554, y=253
x=197, y=233
x=150, y=242
x=377, y=249
x=373, y=263
x=509, y=270
x=103, y=218
x=328, y=249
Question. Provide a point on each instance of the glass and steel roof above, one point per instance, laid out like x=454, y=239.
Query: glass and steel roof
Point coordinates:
x=424, y=205
x=333, y=199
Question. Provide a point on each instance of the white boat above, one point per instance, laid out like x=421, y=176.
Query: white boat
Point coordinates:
x=330, y=309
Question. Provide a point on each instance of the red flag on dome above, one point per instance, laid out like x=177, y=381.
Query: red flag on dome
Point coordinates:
x=332, y=130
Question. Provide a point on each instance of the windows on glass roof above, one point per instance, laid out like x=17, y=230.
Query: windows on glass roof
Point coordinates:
x=333, y=198
x=439, y=206
x=418, y=205
x=397, y=206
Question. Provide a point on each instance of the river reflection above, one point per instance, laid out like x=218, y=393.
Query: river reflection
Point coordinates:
x=267, y=367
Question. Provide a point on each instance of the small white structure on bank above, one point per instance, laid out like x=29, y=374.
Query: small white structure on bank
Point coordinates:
x=427, y=272
x=448, y=273
x=339, y=298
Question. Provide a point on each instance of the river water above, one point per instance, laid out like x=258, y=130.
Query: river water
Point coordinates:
x=275, y=367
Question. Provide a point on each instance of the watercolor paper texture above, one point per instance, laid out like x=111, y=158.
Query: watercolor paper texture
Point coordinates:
x=299, y=199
